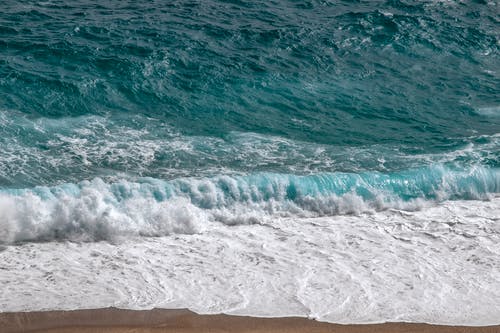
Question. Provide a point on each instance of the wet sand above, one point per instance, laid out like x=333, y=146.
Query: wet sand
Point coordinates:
x=114, y=320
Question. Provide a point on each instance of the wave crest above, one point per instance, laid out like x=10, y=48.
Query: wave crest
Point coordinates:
x=95, y=210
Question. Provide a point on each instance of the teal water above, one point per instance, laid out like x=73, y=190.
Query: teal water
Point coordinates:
x=389, y=101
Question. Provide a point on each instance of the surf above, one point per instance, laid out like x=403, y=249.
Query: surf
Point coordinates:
x=96, y=210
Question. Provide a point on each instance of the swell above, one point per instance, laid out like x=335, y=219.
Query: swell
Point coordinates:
x=95, y=210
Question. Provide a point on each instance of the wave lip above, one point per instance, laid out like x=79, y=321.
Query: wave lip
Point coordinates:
x=95, y=210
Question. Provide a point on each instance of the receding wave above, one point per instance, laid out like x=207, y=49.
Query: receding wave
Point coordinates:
x=96, y=210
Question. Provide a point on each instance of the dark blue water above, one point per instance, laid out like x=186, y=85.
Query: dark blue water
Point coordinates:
x=180, y=91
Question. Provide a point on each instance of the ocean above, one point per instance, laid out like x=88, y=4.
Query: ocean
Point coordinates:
x=337, y=160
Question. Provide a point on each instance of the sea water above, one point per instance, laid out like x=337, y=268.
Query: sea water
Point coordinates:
x=331, y=159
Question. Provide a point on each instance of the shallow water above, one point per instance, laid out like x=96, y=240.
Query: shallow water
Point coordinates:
x=439, y=265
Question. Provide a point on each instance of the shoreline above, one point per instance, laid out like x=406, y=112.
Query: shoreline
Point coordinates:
x=114, y=320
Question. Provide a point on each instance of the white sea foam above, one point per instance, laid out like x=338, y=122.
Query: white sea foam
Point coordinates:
x=94, y=215
x=492, y=111
x=437, y=265
x=42, y=150
x=96, y=210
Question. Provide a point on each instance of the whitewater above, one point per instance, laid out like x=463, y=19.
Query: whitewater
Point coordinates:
x=439, y=265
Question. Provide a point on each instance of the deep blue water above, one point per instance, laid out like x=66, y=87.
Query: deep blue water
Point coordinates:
x=127, y=91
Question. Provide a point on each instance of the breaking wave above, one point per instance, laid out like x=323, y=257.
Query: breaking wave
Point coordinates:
x=96, y=210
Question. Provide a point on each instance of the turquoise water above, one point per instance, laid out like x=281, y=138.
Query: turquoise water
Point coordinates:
x=391, y=101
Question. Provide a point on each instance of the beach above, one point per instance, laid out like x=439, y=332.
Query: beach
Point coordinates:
x=112, y=320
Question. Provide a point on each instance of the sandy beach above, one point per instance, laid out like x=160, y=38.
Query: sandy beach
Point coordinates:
x=116, y=320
